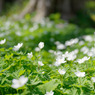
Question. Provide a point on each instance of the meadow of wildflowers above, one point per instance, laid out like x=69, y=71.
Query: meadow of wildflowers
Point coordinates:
x=46, y=59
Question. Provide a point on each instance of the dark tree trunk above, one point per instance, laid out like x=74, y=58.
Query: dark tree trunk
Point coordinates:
x=29, y=8
x=1, y=5
x=77, y=5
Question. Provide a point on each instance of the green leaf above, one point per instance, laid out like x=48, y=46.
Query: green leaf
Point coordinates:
x=35, y=83
x=21, y=72
x=51, y=85
x=9, y=56
x=7, y=68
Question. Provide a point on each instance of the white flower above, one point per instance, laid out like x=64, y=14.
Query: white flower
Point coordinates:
x=59, y=61
x=80, y=61
x=17, y=47
x=2, y=41
x=66, y=54
x=58, y=53
x=30, y=55
x=71, y=42
x=43, y=72
x=19, y=82
x=40, y=63
x=60, y=46
x=80, y=74
x=18, y=33
x=72, y=55
x=88, y=38
x=93, y=79
x=49, y=93
x=62, y=71
x=85, y=58
x=41, y=45
x=91, y=52
x=81, y=43
x=57, y=43
x=85, y=50
x=51, y=51
x=37, y=49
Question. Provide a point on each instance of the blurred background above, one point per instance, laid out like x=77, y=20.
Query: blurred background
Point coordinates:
x=80, y=12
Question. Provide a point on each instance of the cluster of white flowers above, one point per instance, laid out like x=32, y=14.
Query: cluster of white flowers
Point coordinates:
x=84, y=50
x=71, y=42
x=61, y=58
x=59, y=61
x=59, y=45
x=2, y=41
x=40, y=46
x=81, y=43
x=19, y=82
x=80, y=74
x=57, y=53
x=85, y=58
x=62, y=71
x=30, y=55
x=88, y=38
x=91, y=52
x=70, y=55
x=40, y=63
x=17, y=47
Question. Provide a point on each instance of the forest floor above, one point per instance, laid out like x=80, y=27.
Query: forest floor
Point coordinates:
x=46, y=58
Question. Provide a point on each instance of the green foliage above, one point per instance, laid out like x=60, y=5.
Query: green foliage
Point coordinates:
x=83, y=19
x=56, y=18
x=42, y=79
x=48, y=86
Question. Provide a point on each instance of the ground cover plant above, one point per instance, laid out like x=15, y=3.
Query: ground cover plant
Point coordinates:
x=47, y=58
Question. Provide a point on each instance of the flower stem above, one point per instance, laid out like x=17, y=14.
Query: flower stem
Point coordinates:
x=61, y=78
x=81, y=91
x=17, y=91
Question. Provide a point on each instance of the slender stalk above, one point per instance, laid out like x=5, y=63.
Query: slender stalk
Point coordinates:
x=61, y=78
x=17, y=91
x=81, y=91
x=87, y=69
x=93, y=85
x=94, y=39
x=79, y=80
